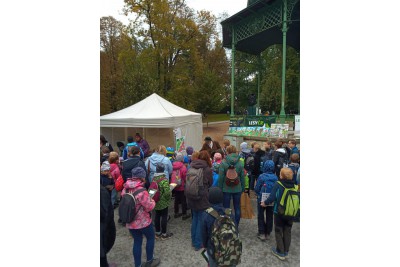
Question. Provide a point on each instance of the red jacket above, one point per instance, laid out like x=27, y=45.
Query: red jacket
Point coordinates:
x=115, y=171
x=177, y=165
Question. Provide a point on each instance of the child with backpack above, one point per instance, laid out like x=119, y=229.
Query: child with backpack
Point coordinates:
x=219, y=233
x=265, y=183
x=215, y=167
x=141, y=223
x=294, y=165
x=286, y=210
x=163, y=199
x=179, y=178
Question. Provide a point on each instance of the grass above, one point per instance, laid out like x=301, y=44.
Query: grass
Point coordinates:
x=216, y=117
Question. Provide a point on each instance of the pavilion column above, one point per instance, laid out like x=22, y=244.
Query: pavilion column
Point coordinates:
x=258, y=83
x=233, y=73
x=284, y=31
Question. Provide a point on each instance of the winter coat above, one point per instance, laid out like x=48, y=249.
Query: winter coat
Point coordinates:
x=115, y=171
x=268, y=155
x=277, y=192
x=279, y=153
x=268, y=178
x=153, y=160
x=202, y=203
x=129, y=164
x=107, y=224
x=125, y=152
x=104, y=181
x=165, y=191
x=177, y=165
x=257, y=162
x=208, y=222
x=231, y=159
x=144, y=204
x=144, y=146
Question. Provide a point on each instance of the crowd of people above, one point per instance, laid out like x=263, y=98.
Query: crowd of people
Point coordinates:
x=202, y=185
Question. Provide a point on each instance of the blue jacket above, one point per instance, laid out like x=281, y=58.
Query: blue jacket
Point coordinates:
x=295, y=168
x=125, y=152
x=153, y=160
x=268, y=178
x=277, y=192
x=208, y=221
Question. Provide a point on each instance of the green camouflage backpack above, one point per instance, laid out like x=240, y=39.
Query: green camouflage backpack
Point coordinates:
x=225, y=239
x=289, y=205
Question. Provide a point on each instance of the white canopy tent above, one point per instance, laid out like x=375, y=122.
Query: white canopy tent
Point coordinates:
x=155, y=119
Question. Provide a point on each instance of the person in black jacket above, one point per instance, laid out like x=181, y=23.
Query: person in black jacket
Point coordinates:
x=258, y=154
x=107, y=226
x=134, y=160
x=106, y=179
x=279, y=157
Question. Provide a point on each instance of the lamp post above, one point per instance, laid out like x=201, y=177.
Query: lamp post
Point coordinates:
x=284, y=31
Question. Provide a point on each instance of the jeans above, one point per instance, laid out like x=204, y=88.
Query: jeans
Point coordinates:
x=265, y=225
x=236, y=204
x=137, y=235
x=161, y=215
x=252, y=181
x=283, y=234
x=197, y=226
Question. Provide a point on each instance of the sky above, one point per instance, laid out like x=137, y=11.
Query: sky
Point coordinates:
x=114, y=7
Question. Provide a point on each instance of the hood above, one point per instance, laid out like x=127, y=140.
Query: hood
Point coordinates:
x=177, y=165
x=268, y=167
x=281, y=150
x=156, y=158
x=133, y=183
x=231, y=159
x=243, y=148
x=198, y=163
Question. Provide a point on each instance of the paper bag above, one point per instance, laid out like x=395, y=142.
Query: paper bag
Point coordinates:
x=246, y=210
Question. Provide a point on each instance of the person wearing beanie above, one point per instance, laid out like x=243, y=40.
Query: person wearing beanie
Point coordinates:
x=142, y=224
x=188, y=157
x=215, y=167
x=210, y=146
x=106, y=179
x=215, y=198
x=160, y=182
x=179, y=177
x=143, y=144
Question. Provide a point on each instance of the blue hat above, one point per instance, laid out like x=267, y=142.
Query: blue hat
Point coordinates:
x=138, y=172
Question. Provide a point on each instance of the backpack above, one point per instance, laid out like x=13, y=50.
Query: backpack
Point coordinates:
x=127, y=206
x=215, y=178
x=119, y=184
x=225, y=239
x=283, y=161
x=249, y=163
x=154, y=185
x=194, y=182
x=176, y=177
x=289, y=204
x=232, y=176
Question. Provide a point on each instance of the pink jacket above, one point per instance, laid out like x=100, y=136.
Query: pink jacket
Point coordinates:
x=144, y=204
x=177, y=165
x=114, y=170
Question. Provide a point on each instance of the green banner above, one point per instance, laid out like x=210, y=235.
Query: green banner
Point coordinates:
x=259, y=121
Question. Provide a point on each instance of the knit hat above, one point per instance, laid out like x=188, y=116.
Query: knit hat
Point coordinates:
x=189, y=150
x=170, y=151
x=138, y=172
x=215, y=195
x=105, y=166
x=179, y=157
x=160, y=167
x=243, y=147
x=207, y=138
x=217, y=156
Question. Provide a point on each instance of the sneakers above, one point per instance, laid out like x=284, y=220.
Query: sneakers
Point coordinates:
x=186, y=216
x=261, y=237
x=153, y=263
x=286, y=253
x=177, y=215
x=267, y=237
x=280, y=256
x=158, y=236
x=166, y=236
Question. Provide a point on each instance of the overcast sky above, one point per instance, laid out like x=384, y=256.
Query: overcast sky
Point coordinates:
x=114, y=7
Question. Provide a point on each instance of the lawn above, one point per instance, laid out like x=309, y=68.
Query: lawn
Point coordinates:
x=216, y=117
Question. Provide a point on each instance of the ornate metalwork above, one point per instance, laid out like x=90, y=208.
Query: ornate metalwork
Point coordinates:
x=271, y=16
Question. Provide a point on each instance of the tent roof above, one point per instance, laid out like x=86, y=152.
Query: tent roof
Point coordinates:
x=152, y=112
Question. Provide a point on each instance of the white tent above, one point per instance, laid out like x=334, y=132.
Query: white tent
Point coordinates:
x=155, y=119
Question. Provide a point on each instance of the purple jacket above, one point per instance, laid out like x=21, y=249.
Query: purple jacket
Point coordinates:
x=144, y=146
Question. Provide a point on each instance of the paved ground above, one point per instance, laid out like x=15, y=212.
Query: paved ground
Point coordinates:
x=178, y=251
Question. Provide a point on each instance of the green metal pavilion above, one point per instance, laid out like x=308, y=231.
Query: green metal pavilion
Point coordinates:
x=261, y=24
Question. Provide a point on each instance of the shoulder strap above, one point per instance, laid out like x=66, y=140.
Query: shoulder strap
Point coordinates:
x=138, y=191
x=148, y=170
x=212, y=212
x=228, y=212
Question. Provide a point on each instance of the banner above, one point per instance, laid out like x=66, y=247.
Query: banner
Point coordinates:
x=276, y=130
